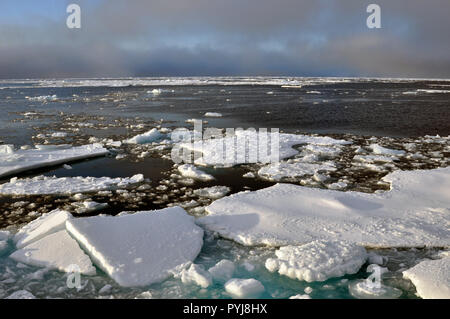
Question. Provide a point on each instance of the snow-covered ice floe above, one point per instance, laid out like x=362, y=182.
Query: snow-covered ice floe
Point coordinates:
x=213, y=114
x=190, y=171
x=149, y=137
x=43, y=185
x=246, y=144
x=318, y=260
x=55, y=251
x=431, y=278
x=279, y=171
x=17, y=161
x=142, y=248
x=412, y=214
x=213, y=192
x=244, y=288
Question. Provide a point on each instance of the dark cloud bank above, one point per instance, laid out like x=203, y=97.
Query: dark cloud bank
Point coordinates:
x=233, y=37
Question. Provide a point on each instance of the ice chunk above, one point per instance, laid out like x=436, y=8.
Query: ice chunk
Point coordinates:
x=244, y=288
x=411, y=214
x=380, y=150
x=223, y=270
x=151, y=136
x=41, y=227
x=23, y=160
x=196, y=274
x=190, y=171
x=213, y=114
x=142, y=248
x=89, y=207
x=431, y=278
x=41, y=185
x=213, y=192
x=280, y=171
x=318, y=260
x=21, y=294
x=366, y=289
x=55, y=251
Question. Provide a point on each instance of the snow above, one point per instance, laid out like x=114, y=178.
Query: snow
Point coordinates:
x=44, y=185
x=318, y=260
x=244, y=288
x=213, y=192
x=196, y=274
x=21, y=294
x=149, y=137
x=213, y=114
x=282, y=170
x=190, y=171
x=223, y=270
x=431, y=278
x=55, y=251
x=23, y=160
x=41, y=227
x=380, y=150
x=411, y=214
x=142, y=248
x=249, y=146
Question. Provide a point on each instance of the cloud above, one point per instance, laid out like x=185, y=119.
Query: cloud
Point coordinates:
x=231, y=37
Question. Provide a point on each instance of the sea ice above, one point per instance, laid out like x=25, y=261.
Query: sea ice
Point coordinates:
x=282, y=170
x=55, y=251
x=23, y=160
x=411, y=214
x=300, y=297
x=149, y=137
x=244, y=288
x=3, y=246
x=190, y=171
x=41, y=227
x=380, y=150
x=431, y=278
x=196, y=274
x=318, y=260
x=142, y=248
x=241, y=147
x=213, y=114
x=44, y=185
x=4, y=234
x=223, y=270
x=213, y=192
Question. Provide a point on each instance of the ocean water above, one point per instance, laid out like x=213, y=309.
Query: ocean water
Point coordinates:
x=393, y=112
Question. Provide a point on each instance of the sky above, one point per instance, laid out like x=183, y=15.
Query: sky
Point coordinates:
x=120, y=38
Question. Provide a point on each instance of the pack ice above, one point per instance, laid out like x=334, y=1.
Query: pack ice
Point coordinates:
x=414, y=213
x=142, y=248
x=17, y=161
x=43, y=185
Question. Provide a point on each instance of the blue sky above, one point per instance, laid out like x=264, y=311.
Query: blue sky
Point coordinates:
x=224, y=37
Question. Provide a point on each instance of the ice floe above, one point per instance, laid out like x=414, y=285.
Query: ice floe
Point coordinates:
x=41, y=227
x=13, y=162
x=190, y=171
x=142, y=248
x=41, y=185
x=21, y=294
x=431, y=278
x=55, y=251
x=411, y=214
x=249, y=146
x=244, y=288
x=149, y=137
x=213, y=192
x=213, y=114
x=283, y=170
x=196, y=274
x=223, y=270
x=318, y=260
x=380, y=150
